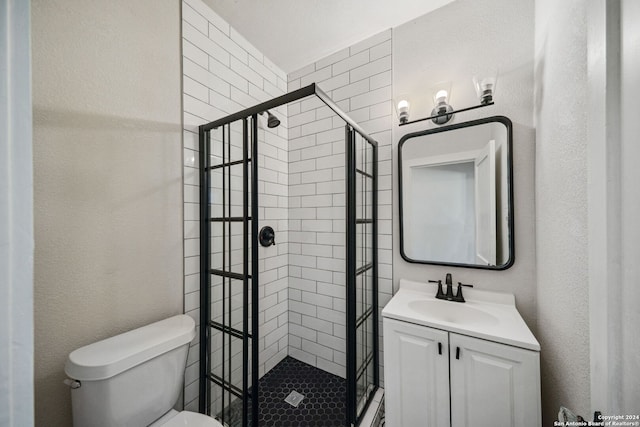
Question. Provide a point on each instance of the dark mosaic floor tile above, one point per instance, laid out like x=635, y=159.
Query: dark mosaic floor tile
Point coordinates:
x=324, y=403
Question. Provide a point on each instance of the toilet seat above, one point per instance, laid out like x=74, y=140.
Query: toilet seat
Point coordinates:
x=191, y=419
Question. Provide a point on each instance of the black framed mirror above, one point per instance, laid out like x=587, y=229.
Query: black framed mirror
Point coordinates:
x=456, y=195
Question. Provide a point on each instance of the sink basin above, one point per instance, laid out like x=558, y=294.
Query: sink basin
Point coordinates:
x=452, y=312
x=487, y=315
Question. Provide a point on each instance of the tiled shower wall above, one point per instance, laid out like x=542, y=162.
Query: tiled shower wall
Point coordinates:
x=359, y=80
x=222, y=74
x=301, y=185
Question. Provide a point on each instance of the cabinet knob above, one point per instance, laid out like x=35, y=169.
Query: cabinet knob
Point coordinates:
x=457, y=353
x=439, y=348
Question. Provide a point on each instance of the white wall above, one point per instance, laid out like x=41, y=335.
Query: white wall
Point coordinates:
x=561, y=205
x=614, y=63
x=16, y=217
x=449, y=44
x=358, y=79
x=630, y=173
x=107, y=178
x=587, y=57
x=604, y=204
x=223, y=74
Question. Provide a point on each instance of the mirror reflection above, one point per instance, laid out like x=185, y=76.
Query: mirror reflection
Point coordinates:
x=456, y=195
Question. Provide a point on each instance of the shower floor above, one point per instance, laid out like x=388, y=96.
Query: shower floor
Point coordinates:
x=324, y=403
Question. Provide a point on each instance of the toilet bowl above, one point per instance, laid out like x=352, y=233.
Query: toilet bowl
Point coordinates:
x=135, y=378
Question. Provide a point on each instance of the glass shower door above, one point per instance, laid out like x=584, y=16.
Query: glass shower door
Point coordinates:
x=362, y=302
x=228, y=289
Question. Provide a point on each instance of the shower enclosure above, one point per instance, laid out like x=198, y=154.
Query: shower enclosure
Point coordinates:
x=236, y=386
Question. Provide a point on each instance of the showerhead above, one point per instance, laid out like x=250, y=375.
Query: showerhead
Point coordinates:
x=272, y=121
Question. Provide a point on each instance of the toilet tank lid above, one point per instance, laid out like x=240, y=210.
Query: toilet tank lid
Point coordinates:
x=109, y=357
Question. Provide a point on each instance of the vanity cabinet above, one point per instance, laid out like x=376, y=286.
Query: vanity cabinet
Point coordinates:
x=436, y=378
x=416, y=379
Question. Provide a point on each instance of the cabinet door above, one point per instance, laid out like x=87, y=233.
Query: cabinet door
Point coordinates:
x=416, y=375
x=493, y=384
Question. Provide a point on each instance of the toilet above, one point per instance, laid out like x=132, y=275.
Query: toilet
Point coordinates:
x=135, y=378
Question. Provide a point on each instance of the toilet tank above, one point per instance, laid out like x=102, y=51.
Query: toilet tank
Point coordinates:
x=131, y=379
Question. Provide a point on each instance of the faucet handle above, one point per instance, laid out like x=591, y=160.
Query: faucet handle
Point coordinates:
x=459, y=297
x=439, y=294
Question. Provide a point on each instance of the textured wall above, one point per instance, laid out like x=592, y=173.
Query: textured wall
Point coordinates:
x=451, y=43
x=107, y=178
x=223, y=74
x=358, y=79
x=561, y=210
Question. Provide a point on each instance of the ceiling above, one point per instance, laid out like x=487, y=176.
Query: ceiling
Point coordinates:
x=295, y=33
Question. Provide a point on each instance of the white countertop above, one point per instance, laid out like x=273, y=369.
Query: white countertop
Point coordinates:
x=504, y=325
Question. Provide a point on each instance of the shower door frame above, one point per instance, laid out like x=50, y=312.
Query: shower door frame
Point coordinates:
x=206, y=271
x=205, y=375
x=353, y=271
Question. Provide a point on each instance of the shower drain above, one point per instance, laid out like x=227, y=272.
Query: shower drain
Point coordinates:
x=294, y=398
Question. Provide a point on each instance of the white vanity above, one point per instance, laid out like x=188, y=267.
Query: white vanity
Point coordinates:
x=458, y=364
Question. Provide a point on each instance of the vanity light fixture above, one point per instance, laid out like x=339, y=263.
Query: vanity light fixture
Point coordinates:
x=443, y=112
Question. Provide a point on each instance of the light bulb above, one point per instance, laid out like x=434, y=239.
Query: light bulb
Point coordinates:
x=403, y=110
x=440, y=113
x=441, y=96
x=486, y=86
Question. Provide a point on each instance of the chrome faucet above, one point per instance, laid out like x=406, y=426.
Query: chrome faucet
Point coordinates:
x=458, y=297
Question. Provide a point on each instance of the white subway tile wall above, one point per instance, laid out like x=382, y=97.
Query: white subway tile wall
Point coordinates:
x=222, y=74
x=359, y=80
x=302, y=278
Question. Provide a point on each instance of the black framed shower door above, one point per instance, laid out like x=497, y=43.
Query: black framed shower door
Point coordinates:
x=229, y=275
